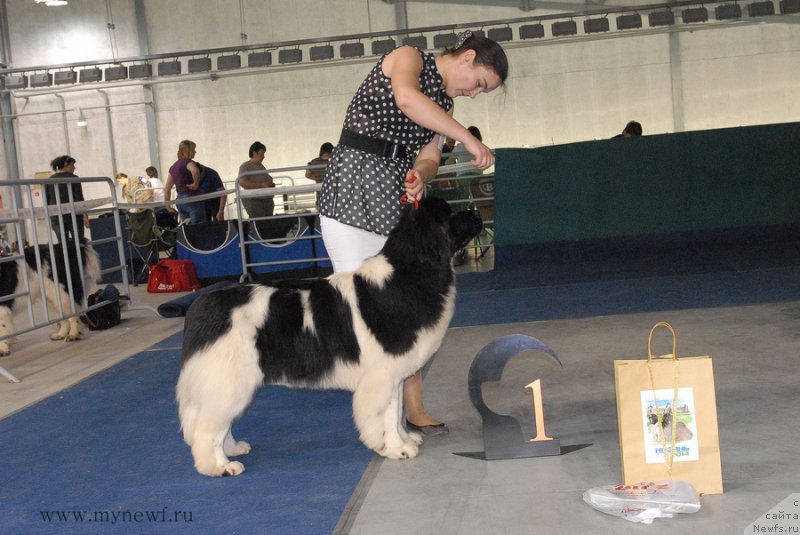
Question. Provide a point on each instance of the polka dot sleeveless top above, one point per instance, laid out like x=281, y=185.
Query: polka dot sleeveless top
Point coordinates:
x=362, y=189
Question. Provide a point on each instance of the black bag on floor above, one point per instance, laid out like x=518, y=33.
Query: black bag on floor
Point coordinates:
x=107, y=315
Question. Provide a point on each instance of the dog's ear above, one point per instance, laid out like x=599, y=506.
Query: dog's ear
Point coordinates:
x=464, y=226
x=437, y=208
x=422, y=234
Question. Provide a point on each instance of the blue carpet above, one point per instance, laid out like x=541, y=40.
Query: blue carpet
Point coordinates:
x=110, y=449
x=534, y=283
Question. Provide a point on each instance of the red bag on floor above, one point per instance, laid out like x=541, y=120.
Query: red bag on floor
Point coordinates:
x=172, y=276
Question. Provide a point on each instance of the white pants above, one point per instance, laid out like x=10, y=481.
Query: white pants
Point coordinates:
x=348, y=246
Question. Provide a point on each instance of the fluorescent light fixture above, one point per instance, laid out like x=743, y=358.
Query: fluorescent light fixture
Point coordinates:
x=52, y=3
x=82, y=122
x=629, y=22
x=595, y=25
x=290, y=55
x=383, y=46
x=16, y=81
x=259, y=59
x=444, y=40
x=568, y=27
x=351, y=50
x=500, y=34
x=321, y=52
x=417, y=41
x=531, y=31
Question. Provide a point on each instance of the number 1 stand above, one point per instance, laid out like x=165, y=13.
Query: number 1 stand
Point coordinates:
x=502, y=434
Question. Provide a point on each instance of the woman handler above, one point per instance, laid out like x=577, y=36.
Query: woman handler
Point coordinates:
x=391, y=144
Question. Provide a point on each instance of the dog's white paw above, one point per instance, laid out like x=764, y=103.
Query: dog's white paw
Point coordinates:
x=233, y=468
x=408, y=450
x=415, y=437
x=73, y=337
x=240, y=448
x=57, y=336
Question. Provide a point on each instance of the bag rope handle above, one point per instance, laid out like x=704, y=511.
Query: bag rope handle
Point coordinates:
x=669, y=456
x=650, y=355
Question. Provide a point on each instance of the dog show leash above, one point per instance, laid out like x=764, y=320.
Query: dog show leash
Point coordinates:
x=404, y=198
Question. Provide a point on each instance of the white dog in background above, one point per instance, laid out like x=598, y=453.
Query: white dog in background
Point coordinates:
x=12, y=281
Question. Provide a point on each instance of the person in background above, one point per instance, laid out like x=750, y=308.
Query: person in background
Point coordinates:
x=64, y=167
x=632, y=129
x=390, y=145
x=155, y=183
x=254, y=176
x=184, y=174
x=210, y=181
x=325, y=152
x=460, y=153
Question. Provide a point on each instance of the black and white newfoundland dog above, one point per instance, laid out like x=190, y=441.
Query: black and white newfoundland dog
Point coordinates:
x=41, y=274
x=364, y=331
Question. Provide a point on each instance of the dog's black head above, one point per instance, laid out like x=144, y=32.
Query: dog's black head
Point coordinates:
x=431, y=233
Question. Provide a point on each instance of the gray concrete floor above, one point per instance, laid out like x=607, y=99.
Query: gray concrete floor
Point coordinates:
x=755, y=351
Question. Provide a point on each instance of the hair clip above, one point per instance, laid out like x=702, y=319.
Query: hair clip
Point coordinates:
x=462, y=38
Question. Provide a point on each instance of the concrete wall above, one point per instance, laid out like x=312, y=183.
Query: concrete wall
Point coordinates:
x=559, y=91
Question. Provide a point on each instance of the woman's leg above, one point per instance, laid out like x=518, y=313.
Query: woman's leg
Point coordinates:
x=347, y=248
x=412, y=399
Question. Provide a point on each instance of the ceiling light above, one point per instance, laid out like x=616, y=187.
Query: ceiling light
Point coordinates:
x=82, y=122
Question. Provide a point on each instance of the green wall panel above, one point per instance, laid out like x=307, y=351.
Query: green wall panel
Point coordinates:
x=670, y=183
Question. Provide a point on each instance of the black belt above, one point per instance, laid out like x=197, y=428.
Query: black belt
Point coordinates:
x=380, y=147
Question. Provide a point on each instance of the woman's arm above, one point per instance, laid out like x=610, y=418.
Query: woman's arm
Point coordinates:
x=403, y=66
x=424, y=169
x=221, y=213
x=168, y=187
x=192, y=167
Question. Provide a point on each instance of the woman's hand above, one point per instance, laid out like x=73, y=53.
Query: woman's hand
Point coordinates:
x=414, y=184
x=482, y=155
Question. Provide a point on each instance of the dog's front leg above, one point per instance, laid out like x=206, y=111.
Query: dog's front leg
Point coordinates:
x=399, y=444
x=74, y=332
x=375, y=413
x=410, y=437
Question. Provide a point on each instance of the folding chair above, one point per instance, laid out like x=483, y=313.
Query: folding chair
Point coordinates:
x=149, y=241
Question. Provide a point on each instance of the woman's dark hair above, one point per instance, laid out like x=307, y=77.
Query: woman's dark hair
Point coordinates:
x=475, y=131
x=487, y=52
x=633, y=128
x=61, y=162
x=326, y=148
x=256, y=147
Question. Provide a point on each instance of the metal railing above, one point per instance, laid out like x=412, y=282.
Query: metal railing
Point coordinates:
x=28, y=224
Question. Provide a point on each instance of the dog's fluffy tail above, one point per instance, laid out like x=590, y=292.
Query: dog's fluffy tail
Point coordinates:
x=91, y=268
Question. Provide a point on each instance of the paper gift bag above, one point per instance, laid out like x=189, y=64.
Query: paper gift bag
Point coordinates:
x=667, y=416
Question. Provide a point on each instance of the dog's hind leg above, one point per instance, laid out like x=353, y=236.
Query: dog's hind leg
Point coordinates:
x=214, y=388
x=232, y=448
x=6, y=327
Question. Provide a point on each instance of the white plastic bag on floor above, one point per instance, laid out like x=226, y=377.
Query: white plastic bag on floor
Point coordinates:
x=645, y=501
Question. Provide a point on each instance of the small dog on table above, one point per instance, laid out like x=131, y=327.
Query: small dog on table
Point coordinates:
x=364, y=331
